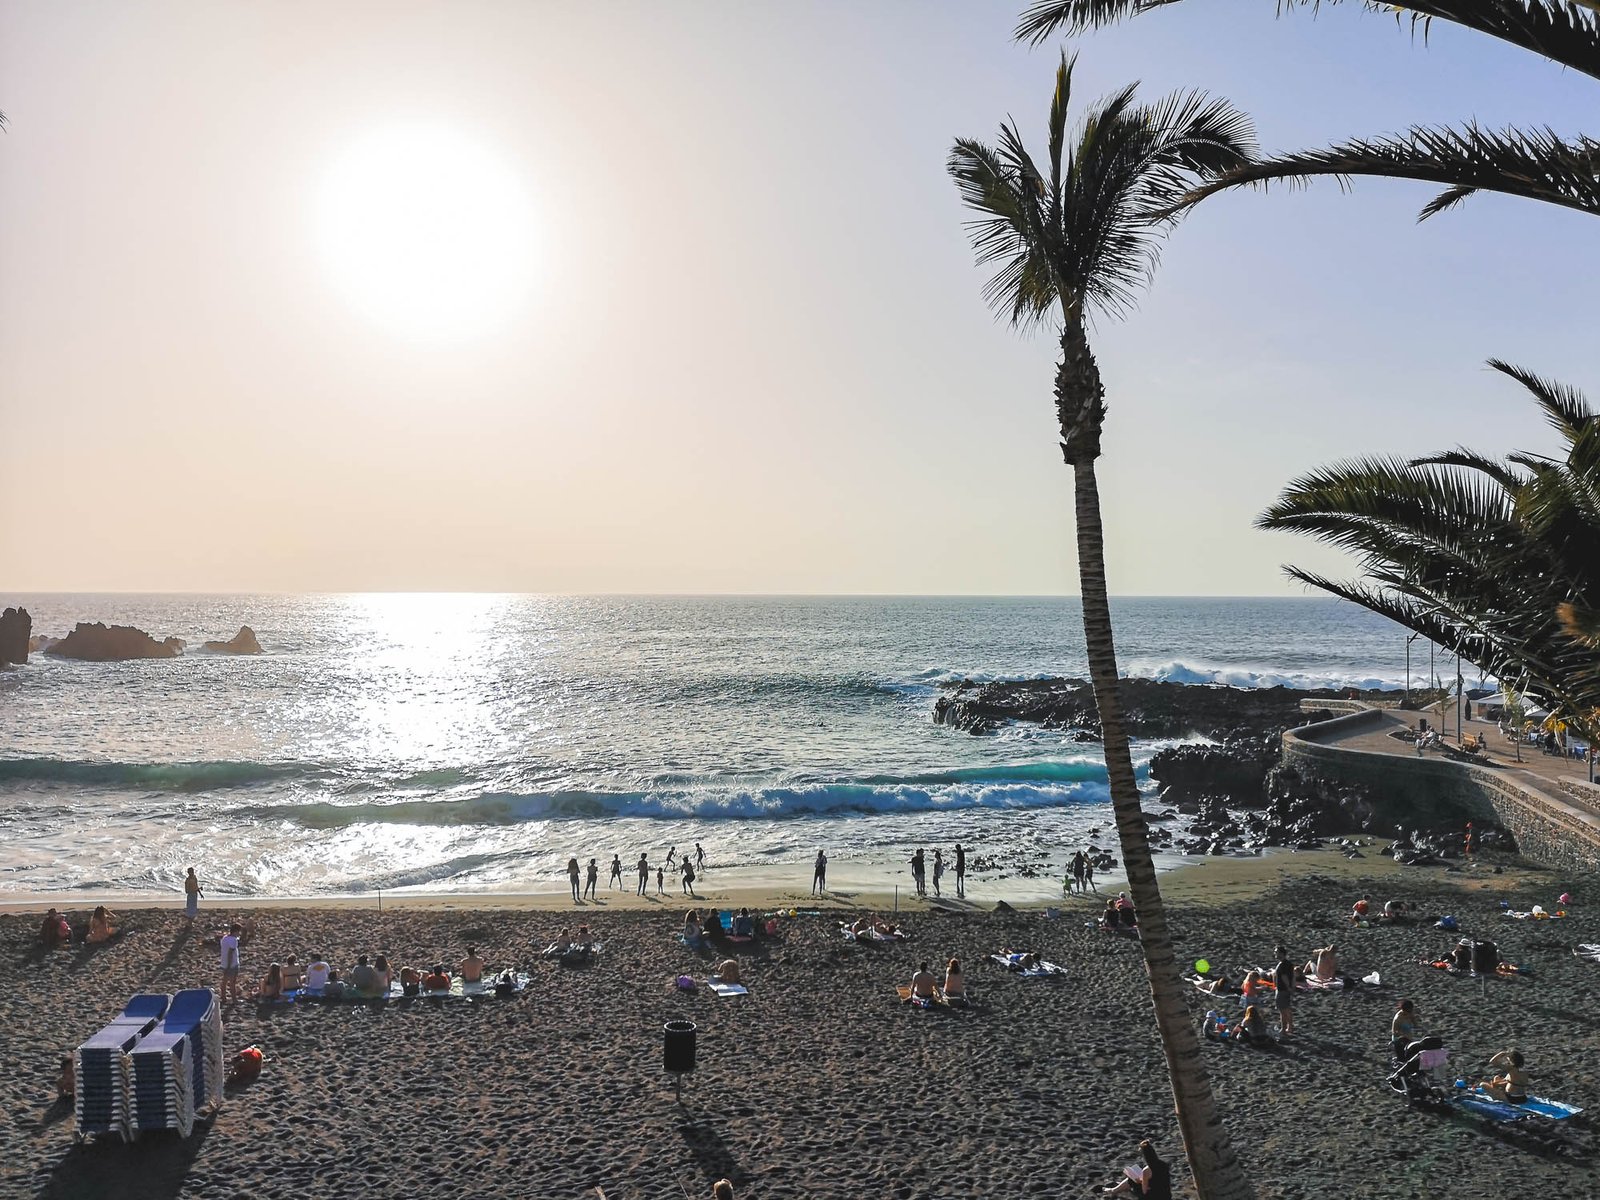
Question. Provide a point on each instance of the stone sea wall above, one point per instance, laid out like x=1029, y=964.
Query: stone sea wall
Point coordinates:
x=1559, y=826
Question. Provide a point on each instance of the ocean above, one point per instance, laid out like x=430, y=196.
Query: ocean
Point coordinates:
x=460, y=742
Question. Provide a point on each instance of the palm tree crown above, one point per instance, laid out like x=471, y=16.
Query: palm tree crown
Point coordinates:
x=1085, y=236
x=1499, y=560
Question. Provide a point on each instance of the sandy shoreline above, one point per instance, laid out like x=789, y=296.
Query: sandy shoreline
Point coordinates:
x=818, y=1084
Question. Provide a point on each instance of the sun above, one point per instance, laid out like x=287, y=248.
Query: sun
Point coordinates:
x=426, y=232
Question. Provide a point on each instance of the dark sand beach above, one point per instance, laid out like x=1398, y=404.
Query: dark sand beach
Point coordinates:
x=819, y=1083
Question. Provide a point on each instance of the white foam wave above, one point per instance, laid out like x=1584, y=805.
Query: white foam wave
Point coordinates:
x=1260, y=677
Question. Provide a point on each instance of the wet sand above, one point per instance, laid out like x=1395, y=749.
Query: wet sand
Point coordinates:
x=819, y=1083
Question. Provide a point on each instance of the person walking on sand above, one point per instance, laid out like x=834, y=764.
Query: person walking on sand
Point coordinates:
x=572, y=876
x=961, y=871
x=644, y=873
x=191, y=895
x=938, y=871
x=591, y=882
x=916, y=872
x=229, y=949
x=616, y=871
x=819, y=874
x=699, y=857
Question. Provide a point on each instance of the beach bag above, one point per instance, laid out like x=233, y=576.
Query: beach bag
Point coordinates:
x=686, y=983
x=246, y=1065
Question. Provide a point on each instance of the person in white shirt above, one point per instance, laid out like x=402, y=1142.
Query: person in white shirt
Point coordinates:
x=317, y=973
x=230, y=963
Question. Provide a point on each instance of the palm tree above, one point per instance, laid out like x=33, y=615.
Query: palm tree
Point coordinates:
x=1499, y=560
x=1075, y=238
x=1534, y=163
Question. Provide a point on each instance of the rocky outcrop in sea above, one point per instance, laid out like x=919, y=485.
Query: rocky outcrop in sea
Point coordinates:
x=92, y=641
x=16, y=628
x=243, y=642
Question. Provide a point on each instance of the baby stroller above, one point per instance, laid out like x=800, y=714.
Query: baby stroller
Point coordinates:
x=1420, y=1078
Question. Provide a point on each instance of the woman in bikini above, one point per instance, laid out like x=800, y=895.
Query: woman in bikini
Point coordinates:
x=1511, y=1085
x=955, y=983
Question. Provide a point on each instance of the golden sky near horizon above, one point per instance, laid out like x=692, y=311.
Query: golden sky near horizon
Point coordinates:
x=631, y=297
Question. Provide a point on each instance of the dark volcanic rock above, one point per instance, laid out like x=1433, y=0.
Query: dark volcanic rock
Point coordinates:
x=243, y=642
x=1152, y=709
x=95, y=642
x=16, y=626
x=1236, y=769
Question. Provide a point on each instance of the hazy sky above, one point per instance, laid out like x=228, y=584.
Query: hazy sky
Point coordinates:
x=674, y=296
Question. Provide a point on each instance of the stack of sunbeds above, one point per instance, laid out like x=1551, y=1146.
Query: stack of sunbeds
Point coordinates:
x=177, y=1069
x=100, y=1067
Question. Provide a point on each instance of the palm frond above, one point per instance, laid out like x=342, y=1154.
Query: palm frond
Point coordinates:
x=1565, y=33
x=1535, y=164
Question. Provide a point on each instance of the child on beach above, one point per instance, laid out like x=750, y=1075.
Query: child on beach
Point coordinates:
x=661, y=881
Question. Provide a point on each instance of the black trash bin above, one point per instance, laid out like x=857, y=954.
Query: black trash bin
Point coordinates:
x=677, y=1047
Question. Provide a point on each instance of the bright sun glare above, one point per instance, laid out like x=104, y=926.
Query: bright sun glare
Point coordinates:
x=426, y=232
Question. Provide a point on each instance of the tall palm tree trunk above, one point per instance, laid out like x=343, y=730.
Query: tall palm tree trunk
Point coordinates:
x=1080, y=406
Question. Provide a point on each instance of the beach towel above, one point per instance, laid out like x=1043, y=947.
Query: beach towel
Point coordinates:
x=904, y=992
x=1013, y=963
x=1589, y=950
x=727, y=989
x=872, y=935
x=1201, y=985
x=1538, y=1106
x=1537, y=915
x=1312, y=984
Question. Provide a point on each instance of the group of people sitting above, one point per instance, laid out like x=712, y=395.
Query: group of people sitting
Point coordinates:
x=372, y=978
x=925, y=985
x=57, y=930
x=1119, y=915
x=697, y=934
x=573, y=947
x=1362, y=912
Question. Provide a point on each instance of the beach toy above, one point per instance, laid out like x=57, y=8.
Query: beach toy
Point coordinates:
x=1201, y=967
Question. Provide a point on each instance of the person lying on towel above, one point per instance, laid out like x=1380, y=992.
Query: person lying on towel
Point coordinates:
x=1020, y=960
x=1218, y=985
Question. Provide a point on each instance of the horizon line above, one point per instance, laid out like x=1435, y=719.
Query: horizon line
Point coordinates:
x=709, y=595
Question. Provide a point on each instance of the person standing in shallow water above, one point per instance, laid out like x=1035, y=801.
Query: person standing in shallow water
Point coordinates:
x=191, y=895
x=961, y=871
x=616, y=870
x=591, y=881
x=644, y=873
x=572, y=875
x=699, y=857
x=819, y=874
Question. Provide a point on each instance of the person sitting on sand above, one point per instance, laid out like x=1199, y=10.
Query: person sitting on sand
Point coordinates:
x=1252, y=1027
x=1358, y=911
x=722, y=1189
x=1152, y=1182
x=583, y=940
x=744, y=925
x=1111, y=918
x=923, y=984
x=271, y=987
x=1324, y=963
x=1125, y=907
x=100, y=927
x=470, y=968
x=1394, y=910
x=1460, y=955
x=67, y=1081
x=56, y=930
x=410, y=981
x=693, y=935
x=317, y=973
x=335, y=988
x=955, y=983
x=436, y=980
x=559, y=947
x=247, y=930
x=727, y=971
x=365, y=980
x=293, y=976
x=884, y=929
x=1511, y=1086
x=1403, y=1029
x=385, y=972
